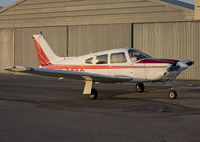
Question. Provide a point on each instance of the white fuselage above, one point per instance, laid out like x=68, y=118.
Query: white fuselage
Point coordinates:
x=145, y=69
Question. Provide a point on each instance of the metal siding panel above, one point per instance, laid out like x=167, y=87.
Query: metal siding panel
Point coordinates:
x=56, y=37
x=25, y=54
x=171, y=40
x=6, y=49
x=94, y=38
x=116, y=36
x=18, y=46
x=1, y=48
x=196, y=51
x=72, y=40
x=83, y=39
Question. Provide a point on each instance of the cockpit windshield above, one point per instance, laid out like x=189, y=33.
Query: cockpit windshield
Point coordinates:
x=136, y=55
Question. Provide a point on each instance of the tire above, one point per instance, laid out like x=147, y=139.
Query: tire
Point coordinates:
x=172, y=94
x=140, y=87
x=93, y=95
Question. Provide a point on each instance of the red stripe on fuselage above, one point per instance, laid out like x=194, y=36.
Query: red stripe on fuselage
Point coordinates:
x=83, y=67
x=158, y=61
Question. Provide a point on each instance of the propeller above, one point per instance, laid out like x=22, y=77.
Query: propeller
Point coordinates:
x=181, y=65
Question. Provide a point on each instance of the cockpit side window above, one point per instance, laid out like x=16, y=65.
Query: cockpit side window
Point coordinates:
x=118, y=58
x=102, y=59
x=89, y=60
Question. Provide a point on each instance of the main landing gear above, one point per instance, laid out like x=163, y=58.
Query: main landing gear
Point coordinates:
x=88, y=90
x=172, y=93
x=93, y=95
x=139, y=87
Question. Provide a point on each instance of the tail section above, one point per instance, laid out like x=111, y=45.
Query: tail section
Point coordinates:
x=46, y=56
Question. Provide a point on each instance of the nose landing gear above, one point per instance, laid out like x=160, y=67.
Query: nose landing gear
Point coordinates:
x=172, y=93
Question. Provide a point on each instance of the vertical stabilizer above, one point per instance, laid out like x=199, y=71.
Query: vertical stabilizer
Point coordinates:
x=46, y=56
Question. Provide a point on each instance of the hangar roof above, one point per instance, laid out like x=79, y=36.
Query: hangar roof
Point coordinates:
x=180, y=3
x=34, y=13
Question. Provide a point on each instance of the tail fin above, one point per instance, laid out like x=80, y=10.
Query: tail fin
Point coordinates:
x=45, y=54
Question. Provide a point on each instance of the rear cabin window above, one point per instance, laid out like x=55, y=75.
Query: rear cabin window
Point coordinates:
x=118, y=58
x=89, y=60
x=102, y=59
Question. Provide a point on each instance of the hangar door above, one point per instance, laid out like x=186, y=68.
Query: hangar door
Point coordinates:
x=25, y=53
x=71, y=40
x=93, y=38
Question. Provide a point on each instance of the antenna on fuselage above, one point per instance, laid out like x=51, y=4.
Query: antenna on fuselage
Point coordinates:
x=89, y=50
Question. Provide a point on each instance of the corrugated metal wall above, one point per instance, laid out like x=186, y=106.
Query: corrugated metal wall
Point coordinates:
x=83, y=39
x=6, y=48
x=25, y=53
x=175, y=40
x=171, y=40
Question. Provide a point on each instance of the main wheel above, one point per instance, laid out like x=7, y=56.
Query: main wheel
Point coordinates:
x=93, y=94
x=172, y=94
x=140, y=87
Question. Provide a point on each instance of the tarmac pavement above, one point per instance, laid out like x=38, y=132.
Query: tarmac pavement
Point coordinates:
x=43, y=109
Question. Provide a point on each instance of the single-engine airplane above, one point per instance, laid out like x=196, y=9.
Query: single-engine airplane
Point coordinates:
x=111, y=66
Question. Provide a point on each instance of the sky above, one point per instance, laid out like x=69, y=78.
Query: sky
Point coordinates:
x=5, y=3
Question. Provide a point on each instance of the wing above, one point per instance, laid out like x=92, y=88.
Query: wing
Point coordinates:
x=71, y=74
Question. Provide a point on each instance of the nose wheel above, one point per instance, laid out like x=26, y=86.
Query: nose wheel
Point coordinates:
x=172, y=94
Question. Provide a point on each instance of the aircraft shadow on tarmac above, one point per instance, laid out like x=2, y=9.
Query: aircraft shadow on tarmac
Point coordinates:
x=114, y=97
x=109, y=100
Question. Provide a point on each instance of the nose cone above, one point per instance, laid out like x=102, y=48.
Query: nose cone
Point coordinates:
x=182, y=66
x=188, y=62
